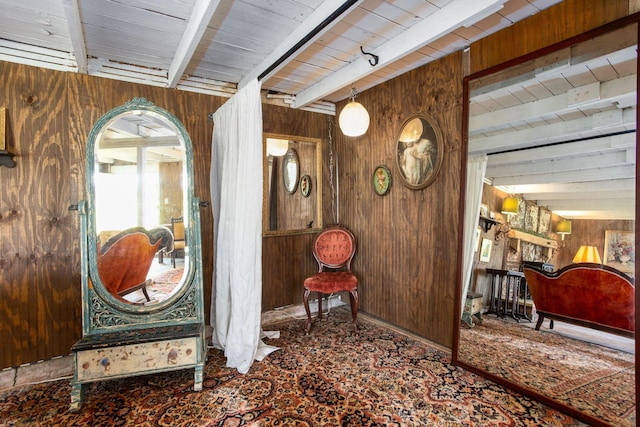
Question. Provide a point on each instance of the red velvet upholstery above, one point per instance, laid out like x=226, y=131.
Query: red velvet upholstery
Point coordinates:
x=591, y=295
x=333, y=249
x=125, y=259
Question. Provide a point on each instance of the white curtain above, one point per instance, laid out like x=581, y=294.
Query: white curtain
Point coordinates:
x=476, y=168
x=236, y=197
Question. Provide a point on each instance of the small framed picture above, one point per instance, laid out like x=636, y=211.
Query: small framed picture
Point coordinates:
x=484, y=210
x=485, y=250
x=381, y=180
x=305, y=185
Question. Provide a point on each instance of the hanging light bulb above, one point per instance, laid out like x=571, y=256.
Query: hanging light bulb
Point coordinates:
x=354, y=118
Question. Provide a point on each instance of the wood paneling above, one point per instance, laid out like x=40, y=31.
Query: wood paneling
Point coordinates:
x=287, y=259
x=408, y=240
x=49, y=116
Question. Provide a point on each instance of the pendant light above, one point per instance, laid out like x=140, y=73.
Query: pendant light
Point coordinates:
x=354, y=118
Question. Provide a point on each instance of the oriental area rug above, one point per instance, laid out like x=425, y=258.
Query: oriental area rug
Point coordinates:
x=330, y=377
x=597, y=380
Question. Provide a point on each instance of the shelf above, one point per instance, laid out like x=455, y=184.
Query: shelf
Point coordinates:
x=536, y=240
x=487, y=223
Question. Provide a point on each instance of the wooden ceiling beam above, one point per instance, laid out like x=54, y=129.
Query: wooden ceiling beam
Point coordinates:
x=454, y=15
x=72, y=13
x=195, y=27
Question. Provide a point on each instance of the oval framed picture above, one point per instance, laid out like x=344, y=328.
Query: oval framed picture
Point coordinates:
x=305, y=185
x=381, y=180
x=419, y=151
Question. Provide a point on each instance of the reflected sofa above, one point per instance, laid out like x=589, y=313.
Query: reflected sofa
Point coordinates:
x=592, y=295
x=125, y=258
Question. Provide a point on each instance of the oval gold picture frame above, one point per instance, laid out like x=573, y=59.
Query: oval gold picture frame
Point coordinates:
x=419, y=151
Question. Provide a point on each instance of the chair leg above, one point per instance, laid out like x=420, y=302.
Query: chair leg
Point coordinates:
x=353, y=297
x=319, y=305
x=306, y=307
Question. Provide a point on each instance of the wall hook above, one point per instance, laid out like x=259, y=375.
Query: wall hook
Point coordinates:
x=373, y=61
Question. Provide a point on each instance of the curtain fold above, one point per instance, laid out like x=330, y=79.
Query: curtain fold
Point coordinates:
x=476, y=168
x=236, y=198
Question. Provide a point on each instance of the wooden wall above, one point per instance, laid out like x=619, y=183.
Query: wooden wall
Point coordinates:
x=287, y=259
x=49, y=116
x=407, y=256
x=408, y=240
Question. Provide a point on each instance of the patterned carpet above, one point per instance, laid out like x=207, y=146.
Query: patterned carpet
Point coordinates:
x=328, y=378
x=596, y=380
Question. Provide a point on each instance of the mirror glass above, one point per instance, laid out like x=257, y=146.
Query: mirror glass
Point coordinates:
x=139, y=195
x=290, y=170
x=288, y=161
x=559, y=134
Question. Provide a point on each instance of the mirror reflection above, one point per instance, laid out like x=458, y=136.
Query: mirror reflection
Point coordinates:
x=559, y=137
x=292, y=200
x=139, y=207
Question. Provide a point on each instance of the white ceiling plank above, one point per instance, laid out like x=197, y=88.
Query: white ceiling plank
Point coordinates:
x=596, y=195
x=322, y=13
x=437, y=25
x=72, y=14
x=196, y=26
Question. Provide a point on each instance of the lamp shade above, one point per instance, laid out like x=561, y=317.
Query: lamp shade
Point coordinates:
x=353, y=119
x=587, y=254
x=277, y=147
x=510, y=205
x=564, y=227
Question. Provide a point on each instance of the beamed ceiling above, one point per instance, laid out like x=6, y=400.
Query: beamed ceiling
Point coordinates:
x=310, y=53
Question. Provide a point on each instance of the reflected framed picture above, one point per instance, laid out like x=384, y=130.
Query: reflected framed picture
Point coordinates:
x=381, y=180
x=419, y=151
x=290, y=170
x=305, y=185
x=484, y=210
x=619, y=250
x=485, y=250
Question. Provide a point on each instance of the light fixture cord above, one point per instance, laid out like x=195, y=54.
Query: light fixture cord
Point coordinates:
x=331, y=172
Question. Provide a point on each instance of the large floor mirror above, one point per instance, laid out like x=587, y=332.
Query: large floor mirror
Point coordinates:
x=141, y=313
x=556, y=132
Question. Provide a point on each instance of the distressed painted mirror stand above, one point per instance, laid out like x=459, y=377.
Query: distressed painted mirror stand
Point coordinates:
x=120, y=339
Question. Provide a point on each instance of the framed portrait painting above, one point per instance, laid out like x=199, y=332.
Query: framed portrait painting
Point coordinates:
x=419, y=151
x=381, y=180
x=619, y=250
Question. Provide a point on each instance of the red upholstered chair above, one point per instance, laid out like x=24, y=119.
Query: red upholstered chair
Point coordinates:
x=333, y=249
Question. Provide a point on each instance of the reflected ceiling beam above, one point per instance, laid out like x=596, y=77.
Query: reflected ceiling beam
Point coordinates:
x=552, y=166
x=320, y=21
x=195, y=27
x=540, y=191
x=613, y=172
x=72, y=13
x=139, y=142
x=454, y=15
x=613, y=214
x=621, y=91
x=581, y=205
x=611, y=121
x=603, y=144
